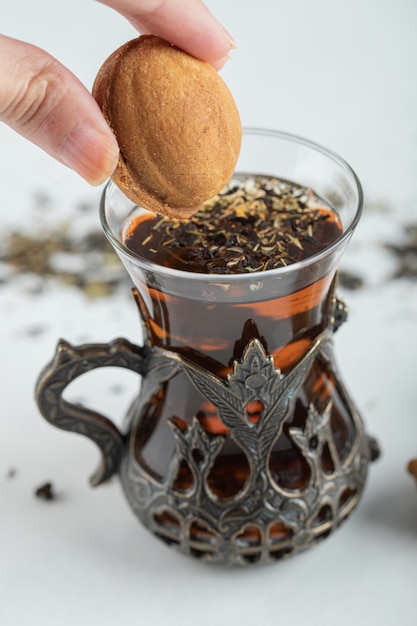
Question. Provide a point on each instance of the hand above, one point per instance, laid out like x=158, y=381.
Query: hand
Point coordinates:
x=45, y=103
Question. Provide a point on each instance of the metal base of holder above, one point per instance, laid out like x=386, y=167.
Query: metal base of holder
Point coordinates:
x=263, y=522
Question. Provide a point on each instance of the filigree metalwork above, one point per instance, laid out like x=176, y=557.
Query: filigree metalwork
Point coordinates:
x=264, y=521
x=339, y=314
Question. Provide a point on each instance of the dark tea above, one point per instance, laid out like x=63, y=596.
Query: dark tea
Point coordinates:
x=256, y=224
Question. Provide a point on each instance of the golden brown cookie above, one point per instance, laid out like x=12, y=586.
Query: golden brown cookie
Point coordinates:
x=176, y=123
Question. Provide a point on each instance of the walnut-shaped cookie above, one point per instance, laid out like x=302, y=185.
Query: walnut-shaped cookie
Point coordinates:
x=176, y=123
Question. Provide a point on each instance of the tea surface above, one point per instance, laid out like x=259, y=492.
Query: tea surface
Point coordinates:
x=256, y=223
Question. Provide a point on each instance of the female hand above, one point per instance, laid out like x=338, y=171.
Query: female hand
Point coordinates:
x=45, y=103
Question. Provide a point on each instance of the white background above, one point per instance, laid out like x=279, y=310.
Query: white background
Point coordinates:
x=342, y=74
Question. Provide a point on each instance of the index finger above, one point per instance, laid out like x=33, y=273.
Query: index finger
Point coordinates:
x=187, y=24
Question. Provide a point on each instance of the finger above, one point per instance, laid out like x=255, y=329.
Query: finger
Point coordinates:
x=45, y=103
x=187, y=24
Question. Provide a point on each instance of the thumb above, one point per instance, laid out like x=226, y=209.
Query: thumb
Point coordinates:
x=45, y=103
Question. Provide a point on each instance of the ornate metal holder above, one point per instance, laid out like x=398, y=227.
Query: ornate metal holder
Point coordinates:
x=264, y=522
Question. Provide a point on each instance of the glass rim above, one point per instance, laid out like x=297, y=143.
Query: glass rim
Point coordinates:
x=149, y=265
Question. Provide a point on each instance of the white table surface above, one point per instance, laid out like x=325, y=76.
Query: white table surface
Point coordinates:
x=342, y=74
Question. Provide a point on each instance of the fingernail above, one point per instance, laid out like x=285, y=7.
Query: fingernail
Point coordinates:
x=90, y=152
x=231, y=41
x=221, y=62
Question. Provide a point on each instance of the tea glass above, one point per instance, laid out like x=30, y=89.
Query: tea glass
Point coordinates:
x=243, y=445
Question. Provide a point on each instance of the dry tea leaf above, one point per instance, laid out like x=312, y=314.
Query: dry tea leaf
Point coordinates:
x=45, y=492
x=412, y=468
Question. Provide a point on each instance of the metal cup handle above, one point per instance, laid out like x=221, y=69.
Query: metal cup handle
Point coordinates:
x=68, y=364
